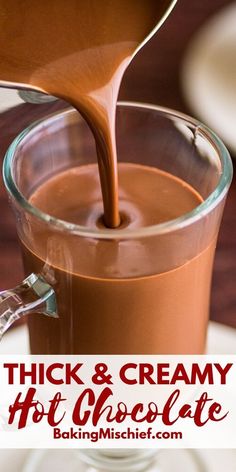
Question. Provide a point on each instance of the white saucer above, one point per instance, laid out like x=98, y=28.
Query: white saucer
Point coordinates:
x=221, y=340
x=209, y=75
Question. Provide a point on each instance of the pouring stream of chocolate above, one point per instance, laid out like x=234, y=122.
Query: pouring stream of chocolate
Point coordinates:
x=79, y=50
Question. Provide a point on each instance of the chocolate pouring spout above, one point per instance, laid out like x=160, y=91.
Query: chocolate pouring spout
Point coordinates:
x=15, y=61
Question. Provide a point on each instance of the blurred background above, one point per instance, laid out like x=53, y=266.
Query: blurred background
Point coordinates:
x=190, y=65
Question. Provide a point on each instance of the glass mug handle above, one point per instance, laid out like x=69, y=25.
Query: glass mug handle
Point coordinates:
x=33, y=295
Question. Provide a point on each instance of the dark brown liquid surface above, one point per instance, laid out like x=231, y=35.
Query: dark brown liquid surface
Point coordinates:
x=78, y=50
x=148, y=196
x=106, y=302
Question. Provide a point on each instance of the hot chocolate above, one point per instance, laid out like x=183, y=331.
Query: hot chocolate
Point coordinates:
x=126, y=313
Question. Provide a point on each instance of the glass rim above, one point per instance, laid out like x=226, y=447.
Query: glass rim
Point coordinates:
x=162, y=228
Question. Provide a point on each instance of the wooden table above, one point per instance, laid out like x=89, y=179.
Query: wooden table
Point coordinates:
x=153, y=77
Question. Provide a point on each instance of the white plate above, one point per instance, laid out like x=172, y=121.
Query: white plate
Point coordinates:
x=221, y=340
x=209, y=74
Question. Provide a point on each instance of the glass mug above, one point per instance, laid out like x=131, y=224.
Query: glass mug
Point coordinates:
x=89, y=306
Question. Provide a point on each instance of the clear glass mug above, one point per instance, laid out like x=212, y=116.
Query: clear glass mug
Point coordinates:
x=180, y=250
